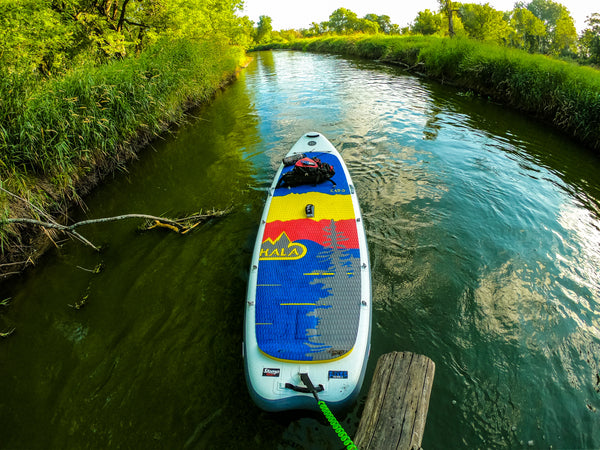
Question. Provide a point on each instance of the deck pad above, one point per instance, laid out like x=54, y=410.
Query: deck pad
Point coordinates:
x=308, y=291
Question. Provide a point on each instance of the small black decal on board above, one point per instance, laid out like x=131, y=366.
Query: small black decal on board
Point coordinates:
x=270, y=372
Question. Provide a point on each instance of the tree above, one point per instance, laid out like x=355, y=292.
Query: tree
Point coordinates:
x=27, y=48
x=546, y=10
x=384, y=22
x=395, y=29
x=66, y=31
x=447, y=8
x=484, y=22
x=366, y=26
x=343, y=21
x=561, y=34
x=590, y=39
x=427, y=23
x=242, y=33
x=564, y=36
x=315, y=29
x=263, y=30
x=527, y=30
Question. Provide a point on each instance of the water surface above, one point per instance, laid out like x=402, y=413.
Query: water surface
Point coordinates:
x=484, y=233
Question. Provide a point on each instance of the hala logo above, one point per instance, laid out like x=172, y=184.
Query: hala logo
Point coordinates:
x=282, y=248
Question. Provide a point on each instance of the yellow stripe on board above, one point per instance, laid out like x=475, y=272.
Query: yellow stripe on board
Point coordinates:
x=327, y=207
x=317, y=361
x=297, y=304
x=316, y=274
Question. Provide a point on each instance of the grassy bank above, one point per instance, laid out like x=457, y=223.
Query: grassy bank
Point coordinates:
x=563, y=94
x=59, y=136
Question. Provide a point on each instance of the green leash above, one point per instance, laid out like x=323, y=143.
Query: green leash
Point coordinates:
x=346, y=440
x=337, y=427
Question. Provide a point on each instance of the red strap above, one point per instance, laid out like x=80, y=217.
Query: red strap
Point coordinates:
x=306, y=162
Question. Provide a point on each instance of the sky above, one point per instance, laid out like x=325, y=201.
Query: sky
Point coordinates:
x=300, y=14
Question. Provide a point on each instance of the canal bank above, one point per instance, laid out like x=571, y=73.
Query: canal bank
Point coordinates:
x=70, y=132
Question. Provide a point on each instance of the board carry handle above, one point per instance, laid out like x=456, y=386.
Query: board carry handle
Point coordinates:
x=305, y=390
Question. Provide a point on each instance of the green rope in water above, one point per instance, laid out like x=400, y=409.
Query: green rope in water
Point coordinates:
x=346, y=440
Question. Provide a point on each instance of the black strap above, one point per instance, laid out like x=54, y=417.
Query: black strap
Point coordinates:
x=309, y=389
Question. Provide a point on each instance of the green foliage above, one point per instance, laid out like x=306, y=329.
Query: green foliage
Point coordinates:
x=527, y=30
x=24, y=47
x=263, y=30
x=50, y=36
x=60, y=131
x=342, y=21
x=546, y=10
x=484, y=22
x=83, y=82
x=540, y=26
x=561, y=35
x=564, y=35
x=427, y=23
x=590, y=39
x=384, y=22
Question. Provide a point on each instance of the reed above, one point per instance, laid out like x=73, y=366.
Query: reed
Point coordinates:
x=57, y=135
x=565, y=95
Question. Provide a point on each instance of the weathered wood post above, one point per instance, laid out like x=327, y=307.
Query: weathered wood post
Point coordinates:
x=396, y=407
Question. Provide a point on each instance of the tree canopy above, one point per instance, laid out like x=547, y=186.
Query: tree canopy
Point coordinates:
x=561, y=35
x=527, y=30
x=263, y=30
x=48, y=35
x=590, y=38
x=537, y=26
x=483, y=22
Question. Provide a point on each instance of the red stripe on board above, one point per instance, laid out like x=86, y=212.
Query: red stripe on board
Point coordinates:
x=313, y=231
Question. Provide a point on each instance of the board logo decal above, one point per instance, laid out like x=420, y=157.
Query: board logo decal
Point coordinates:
x=282, y=248
x=338, y=374
x=267, y=372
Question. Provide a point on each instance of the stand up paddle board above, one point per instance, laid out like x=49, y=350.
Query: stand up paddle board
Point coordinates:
x=308, y=306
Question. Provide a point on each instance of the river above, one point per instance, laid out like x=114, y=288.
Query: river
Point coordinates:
x=484, y=234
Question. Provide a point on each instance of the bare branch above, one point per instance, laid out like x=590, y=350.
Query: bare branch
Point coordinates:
x=122, y=18
x=181, y=226
x=7, y=333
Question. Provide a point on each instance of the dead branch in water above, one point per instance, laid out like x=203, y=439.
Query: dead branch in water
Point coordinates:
x=7, y=333
x=181, y=226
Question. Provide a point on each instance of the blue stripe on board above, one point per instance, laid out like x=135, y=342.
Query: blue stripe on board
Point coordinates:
x=292, y=295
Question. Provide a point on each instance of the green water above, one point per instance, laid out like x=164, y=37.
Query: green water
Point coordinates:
x=484, y=233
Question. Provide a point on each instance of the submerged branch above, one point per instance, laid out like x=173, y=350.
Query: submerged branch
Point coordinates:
x=181, y=226
x=7, y=333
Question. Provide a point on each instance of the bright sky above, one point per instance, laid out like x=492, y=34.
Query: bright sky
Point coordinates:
x=300, y=14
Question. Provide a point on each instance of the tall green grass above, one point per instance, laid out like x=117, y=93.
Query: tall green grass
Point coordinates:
x=563, y=94
x=57, y=134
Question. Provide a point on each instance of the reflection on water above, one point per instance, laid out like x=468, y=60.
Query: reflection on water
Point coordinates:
x=484, y=234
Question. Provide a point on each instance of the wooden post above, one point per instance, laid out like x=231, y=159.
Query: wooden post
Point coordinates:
x=396, y=408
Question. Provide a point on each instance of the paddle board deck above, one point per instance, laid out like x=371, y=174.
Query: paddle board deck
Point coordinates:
x=308, y=307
